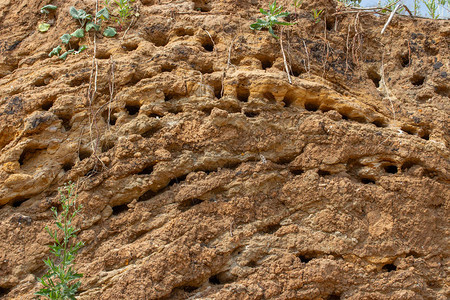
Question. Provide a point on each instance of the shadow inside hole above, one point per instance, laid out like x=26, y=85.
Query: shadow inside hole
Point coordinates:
x=208, y=45
x=417, y=80
x=269, y=96
x=84, y=153
x=288, y=100
x=147, y=170
x=391, y=169
x=404, y=60
x=442, y=90
x=323, y=173
x=130, y=46
x=366, y=180
x=251, y=114
x=297, y=71
x=333, y=296
x=243, y=94
x=67, y=166
x=18, y=202
x=374, y=76
x=4, y=291
x=102, y=55
x=202, y=6
x=330, y=23
x=379, y=123
x=47, y=105
x=311, y=106
x=297, y=172
x=117, y=210
x=167, y=68
x=305, y=258
x=266, y=62
x=132, y=109
x=271, y=229
x=389, y=267
x=188, y=204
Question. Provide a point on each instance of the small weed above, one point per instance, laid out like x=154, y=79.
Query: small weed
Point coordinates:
x=45, y=26
x=123, y=11
x=271, y=19
x=316, y=15
x=86, y=24
x=60, y=280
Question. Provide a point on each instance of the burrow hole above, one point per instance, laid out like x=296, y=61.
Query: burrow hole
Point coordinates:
x=297, y=172
x=288, y=99
x=221, y=278
x=389, y=267
x=117, y=210
x=305, y=258
x=334, y=296
x=374, y=76
x=270, y=97
x=188, y=204
x=251, y=114
x=147, y=170
x=110, y=117
x=404, y=60
x=417, y=79
x=312, y=106
x=391, y=169
x=131, y=46
x=84, y=153
x=102, y=54
x=442, y=90
x=202, y=6
x=367, y=180
x=266, y=62
x=271, y=229
x=379, y=123
x=27, y=155
x=243, y=94
x=323, y=173
x=297, y=70
x=168, y=67
x=208, y=44
x=67, y=166
x=42, y=81
x=4, y=291
x=18, y=202
x=47, y=104
x=132, y=108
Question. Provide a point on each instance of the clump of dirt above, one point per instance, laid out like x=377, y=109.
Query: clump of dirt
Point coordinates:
x=205, y=173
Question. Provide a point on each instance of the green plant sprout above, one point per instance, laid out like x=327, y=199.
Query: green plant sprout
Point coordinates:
x=60, y=281
x=86, y=24
x=44, y=27
x=271, y=19
x=297, y=4
x=123, y=10
x=316, y=15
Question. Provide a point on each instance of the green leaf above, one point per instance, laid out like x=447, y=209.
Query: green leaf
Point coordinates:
x=272, y=33
x=65, y=38
x=79, y=33
x=74, y=13
x=82, y=48
x=43, y=27
x=79, y=14
x=263, y=12
x=46, y=8
x=90, y=25
x=103, y=14
x=109, y=32
x=64, y=55
x=55, y=51
x=283, y=23
x=255, y=26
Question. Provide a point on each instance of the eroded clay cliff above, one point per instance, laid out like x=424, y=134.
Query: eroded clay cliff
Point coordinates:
x=205, y=174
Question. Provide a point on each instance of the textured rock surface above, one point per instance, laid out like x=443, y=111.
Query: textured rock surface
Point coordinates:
x=204, y=173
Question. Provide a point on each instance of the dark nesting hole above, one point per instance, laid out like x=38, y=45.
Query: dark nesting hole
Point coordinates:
x=379, y=123
x=425, y=135
x=84, y=153
x=251, y=114
x=424, y=98
x=132, y=109
x=4, y=291
x=119, y=209
x=442, y=90
x=18, y=202
x=243, y=94
x=269, y=96
x=391, y=169
x=409, y=130
x=47, y=105
x=297, y=172
x=202, y=5
x=297, y=71
x=66, y=122
x=344, y=117
x=333, y=296
x=102, y=55
x=374, y=76
x=218, y=90
x=252, y=264
x=147, y=170
x=177, y=180
x=270, y=229
x=167, y=68
x=366, y=180
x=389, y=267
x=205, y=68
x=311, y=106
x=323, y=173
x=130, y=46
x=305, y=258
x=184, y=31
x=404, y=60
x=266, y=62
x=214, y=280
x=112, y=119
x=189, y=203
x=208, y=45
x=189, y=288
x=288, y=100
x=417, y=79
x=67, y=166
x=147, y=195
x=330, y=24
